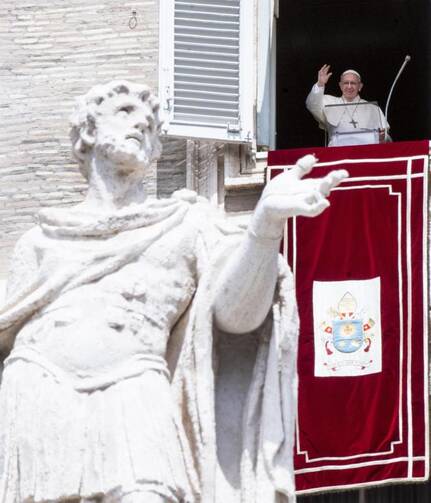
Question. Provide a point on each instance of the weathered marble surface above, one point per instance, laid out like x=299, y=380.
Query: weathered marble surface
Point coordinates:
x=120, y=314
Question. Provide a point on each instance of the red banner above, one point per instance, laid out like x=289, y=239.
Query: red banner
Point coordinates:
x=361, y=280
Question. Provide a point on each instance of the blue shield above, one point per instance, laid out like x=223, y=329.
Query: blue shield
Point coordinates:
x=348, y=335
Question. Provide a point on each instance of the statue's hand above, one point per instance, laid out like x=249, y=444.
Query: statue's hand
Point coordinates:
x=288, y=195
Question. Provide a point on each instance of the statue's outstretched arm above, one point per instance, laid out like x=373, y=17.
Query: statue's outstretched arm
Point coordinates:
x=245, y=288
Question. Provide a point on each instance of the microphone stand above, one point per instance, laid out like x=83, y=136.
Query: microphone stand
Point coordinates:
x=406, y=60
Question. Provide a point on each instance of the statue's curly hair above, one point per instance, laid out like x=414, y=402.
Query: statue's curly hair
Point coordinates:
x=87, y=109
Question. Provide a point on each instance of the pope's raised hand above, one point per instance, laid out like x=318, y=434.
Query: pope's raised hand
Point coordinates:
x=323, y=75
x=289, y=195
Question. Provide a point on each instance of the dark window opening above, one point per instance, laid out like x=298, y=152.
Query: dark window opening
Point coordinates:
x=371, y=36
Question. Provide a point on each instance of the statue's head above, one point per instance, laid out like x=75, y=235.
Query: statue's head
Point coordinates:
x=119, y=121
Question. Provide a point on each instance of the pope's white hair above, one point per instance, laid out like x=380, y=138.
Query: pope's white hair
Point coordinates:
x=88, y=108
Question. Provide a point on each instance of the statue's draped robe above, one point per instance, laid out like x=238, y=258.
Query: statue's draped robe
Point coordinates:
x=86, y=406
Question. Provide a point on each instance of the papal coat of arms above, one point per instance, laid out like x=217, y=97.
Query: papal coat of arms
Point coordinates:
x=348, y=338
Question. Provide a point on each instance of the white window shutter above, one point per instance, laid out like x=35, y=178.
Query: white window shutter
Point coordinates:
x=206, y=77
x=266, y=73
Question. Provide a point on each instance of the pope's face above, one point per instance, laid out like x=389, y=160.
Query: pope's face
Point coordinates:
x=350, y=86
x=124, y=134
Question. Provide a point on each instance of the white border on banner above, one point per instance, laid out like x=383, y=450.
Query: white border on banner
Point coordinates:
x=410, y=459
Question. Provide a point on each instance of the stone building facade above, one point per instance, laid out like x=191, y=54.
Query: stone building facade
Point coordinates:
x=53, y=51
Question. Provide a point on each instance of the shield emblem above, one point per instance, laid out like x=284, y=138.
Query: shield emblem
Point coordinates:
x=348, y=335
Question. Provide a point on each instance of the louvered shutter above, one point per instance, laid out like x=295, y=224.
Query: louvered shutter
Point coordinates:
x=206, y=71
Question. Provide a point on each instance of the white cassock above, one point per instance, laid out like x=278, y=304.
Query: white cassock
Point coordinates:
x=347, y=123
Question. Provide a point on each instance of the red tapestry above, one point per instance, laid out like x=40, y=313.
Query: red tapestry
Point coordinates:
x=361, y=280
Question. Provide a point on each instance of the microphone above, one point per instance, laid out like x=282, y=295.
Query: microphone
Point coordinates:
x=406, y=60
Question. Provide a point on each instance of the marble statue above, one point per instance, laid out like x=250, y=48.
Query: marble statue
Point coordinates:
x=107, y=392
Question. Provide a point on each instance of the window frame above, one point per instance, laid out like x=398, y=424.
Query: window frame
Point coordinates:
x=246, y=131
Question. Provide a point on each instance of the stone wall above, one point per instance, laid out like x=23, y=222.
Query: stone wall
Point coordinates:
x=52, y=51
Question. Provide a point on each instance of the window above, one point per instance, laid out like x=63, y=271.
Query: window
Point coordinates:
x=207, y=70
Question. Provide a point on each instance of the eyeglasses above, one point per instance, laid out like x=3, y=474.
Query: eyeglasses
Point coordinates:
x=350, y=83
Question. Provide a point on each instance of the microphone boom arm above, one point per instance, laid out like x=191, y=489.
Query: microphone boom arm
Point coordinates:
x=406, y=60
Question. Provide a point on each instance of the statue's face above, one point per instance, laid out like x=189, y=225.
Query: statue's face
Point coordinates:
x=123, y=135
x=350, y=86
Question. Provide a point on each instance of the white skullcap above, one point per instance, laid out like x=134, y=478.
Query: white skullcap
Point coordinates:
x=354, y=73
